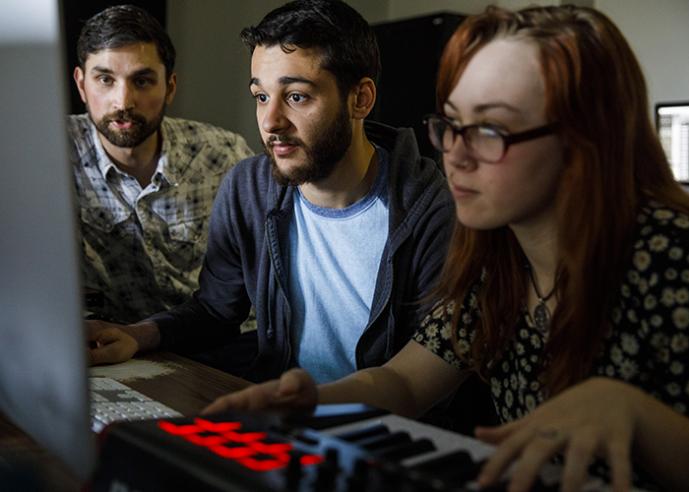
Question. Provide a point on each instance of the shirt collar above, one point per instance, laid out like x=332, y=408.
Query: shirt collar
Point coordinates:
x=164, y=171
x=176, y=153
x=104, y=162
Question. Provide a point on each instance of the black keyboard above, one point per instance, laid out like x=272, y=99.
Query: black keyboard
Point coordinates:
x=343, y=448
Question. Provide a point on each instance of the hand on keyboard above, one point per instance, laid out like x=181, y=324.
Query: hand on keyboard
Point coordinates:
x=593, y=418
x=295, y=391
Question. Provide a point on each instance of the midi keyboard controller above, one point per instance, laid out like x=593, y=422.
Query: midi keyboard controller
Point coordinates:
x=342, y=448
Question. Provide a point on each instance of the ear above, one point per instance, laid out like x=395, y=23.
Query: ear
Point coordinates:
x=362, y=98
x=79, y=80
x=171, y=88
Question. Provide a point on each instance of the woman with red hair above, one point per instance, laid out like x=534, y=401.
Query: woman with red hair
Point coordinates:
x=567, y=282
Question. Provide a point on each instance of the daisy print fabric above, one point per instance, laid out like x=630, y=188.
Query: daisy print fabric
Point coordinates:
x=648, y=345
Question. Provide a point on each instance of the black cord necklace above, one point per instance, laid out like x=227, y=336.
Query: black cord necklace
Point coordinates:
x=541, y=313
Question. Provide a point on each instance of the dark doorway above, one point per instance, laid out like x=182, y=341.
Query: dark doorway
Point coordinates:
x=74, y=14
x=410, y=50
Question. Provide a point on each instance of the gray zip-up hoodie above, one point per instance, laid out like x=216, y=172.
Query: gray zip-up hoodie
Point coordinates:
x=244, y=263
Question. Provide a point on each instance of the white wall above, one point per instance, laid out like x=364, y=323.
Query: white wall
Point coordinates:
x=658, y=32
x=399, y=9
x=213, y=66
x=212, y=63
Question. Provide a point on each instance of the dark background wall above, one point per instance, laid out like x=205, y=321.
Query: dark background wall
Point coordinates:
x=213, y=66
x=410, y=50
x=75, y=13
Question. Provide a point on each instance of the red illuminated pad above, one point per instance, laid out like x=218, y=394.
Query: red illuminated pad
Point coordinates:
x=236, y=452
x=228, y=440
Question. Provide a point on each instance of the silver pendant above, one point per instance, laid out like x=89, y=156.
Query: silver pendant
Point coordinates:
x=541, y=317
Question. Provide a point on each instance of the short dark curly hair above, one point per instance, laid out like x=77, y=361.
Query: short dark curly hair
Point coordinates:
x=346, y=41
x=122, y=25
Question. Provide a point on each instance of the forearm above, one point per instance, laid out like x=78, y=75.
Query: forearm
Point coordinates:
x=190, y=328
x=399, y=386
x=409, y=384
x=380, y=387
x=661, y=443
x=145, y=333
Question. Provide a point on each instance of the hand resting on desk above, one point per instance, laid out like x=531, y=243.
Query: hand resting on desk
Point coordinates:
x=110, y=343
x=295, y=391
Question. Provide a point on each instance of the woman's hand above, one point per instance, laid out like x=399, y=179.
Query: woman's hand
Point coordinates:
x=295, y=391
x=596, y=418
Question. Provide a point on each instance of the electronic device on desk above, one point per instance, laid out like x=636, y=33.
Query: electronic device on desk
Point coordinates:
x=342, y=448
x=44, y=387
x=43, y=368
x=112, y=401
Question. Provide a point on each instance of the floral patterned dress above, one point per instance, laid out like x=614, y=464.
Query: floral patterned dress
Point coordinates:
x=648, y=346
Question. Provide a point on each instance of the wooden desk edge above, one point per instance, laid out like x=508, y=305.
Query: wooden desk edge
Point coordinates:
x=187, y=389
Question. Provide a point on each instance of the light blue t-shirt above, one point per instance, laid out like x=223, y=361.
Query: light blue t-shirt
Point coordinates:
x=334, y=255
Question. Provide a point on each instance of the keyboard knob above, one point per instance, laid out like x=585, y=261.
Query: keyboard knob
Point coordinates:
x=326, y=473
x=393, y=476
x=293, y=471
x=385, y=477
x=359, y=478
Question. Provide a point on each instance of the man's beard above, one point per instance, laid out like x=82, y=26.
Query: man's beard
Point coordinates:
x=131, y=137
x=321, y=157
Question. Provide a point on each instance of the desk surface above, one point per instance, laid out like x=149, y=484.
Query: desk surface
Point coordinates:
x=187, y=387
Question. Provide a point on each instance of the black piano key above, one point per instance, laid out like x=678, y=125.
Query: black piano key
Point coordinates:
x=463, y=473
x=326, y=472
x=424, y=483
x=293, y=472
x=456, y=458
x=358, y=434
x=455, y=466
x=305, y=439
x=399, y=452
x=395, y=479
x=377, y=442
x=357, y=480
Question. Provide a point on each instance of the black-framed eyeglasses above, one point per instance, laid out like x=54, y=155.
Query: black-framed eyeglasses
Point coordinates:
x=485, y=142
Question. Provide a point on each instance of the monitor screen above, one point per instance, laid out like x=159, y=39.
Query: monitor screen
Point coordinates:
x=672, y=121
x=43, y=369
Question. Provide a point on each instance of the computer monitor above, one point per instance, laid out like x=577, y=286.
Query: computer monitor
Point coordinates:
x=43, y=368
x=672, y=122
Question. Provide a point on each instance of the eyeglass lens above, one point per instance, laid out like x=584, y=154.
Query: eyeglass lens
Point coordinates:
x=484, y=142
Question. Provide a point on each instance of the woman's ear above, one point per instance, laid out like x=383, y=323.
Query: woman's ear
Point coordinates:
x=362, y=98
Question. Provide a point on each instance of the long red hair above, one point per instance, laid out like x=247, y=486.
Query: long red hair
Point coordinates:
x=614, y=162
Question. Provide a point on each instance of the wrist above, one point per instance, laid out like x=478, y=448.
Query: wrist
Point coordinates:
x=635, y=401
x=145, y=333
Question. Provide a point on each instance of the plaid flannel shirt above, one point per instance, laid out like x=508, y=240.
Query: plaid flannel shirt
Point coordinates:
x=143, y=248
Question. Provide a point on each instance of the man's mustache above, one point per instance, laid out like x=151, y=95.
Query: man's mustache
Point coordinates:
x=125, y=115
x=282, y=139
